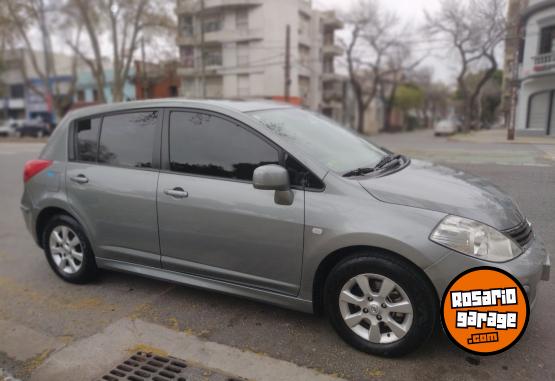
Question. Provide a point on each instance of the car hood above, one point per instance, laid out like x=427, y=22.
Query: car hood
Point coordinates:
x=433, y=187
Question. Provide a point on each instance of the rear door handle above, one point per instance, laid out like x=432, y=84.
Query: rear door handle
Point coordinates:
x=176, y=193
x=80, y=179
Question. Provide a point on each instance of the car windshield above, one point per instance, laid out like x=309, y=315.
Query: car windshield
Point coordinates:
x=340, y=149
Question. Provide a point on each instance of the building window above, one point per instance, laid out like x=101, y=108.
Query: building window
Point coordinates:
x=173, y=91
x=186, y=26
x=81, y=96
x=304, y=54
x=212, y=23
x=547, y=37
x=187, y=56
x=304, y=87
x=213, y=57
x=243, y=85
x=242, y=19
x=17, y=91
x=242, y=53
x=95, y=95
x=328, y=65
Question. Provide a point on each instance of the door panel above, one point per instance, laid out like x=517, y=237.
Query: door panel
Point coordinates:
x=117, y=200
x=217, y=225
x=231, y=231
x=119, y=205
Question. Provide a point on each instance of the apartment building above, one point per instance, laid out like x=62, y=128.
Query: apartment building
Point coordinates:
x=535, y=113
x=244, y=44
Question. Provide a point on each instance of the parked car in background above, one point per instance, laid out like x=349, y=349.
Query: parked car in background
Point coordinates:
x=274, y=203
x=7, y=128
x=33, y=127
x=446, y=127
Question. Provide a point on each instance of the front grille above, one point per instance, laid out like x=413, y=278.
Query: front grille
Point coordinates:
x=522, y=234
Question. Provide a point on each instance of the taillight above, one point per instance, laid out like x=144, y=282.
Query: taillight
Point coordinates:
x=33, y=167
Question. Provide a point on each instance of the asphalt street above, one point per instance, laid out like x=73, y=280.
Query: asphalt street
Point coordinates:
x=41, y=316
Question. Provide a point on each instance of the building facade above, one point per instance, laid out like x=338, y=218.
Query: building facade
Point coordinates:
x=21, y=83
x=158, y=80
x=86, y=89
x=535, y=112
x=244, y=44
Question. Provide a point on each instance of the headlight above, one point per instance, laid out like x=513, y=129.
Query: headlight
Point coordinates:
x=475, y=239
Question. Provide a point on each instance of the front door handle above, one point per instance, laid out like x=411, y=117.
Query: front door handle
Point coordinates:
x=176, y=193
x=80, y=179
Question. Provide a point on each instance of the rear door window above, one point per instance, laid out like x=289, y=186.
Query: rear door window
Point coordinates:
x=127, y=140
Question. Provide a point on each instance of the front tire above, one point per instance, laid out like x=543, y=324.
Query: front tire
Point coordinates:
x=68, y=251
x=380, y=304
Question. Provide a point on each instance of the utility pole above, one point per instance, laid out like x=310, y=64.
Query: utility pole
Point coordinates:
x=202, y=53
x=287, y=62
x=511, y=84
x=143, y=68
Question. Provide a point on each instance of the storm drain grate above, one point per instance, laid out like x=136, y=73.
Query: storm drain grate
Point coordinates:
x=144, y=366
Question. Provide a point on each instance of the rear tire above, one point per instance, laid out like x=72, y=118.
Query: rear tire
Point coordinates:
x=68, y=250
x=391, y=313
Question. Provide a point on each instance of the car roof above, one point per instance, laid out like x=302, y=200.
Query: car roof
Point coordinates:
x=242, y=106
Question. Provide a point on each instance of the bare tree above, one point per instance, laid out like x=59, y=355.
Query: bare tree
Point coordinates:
x=475, y=30
x=25, y=18
x=375, y=54
x=122, y=23
x=400, y=64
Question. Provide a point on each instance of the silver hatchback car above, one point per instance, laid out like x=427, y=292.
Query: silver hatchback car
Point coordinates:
x=273, y=203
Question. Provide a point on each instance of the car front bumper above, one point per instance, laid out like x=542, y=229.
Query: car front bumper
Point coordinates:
x=533, y=266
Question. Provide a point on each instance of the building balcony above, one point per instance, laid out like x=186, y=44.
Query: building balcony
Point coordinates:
x=333, y=94
x=194, y=6
x=332, y=49
x=328, y=77
x=331, y=21
x=210, y=70
x=222, y=36
x=544, y=63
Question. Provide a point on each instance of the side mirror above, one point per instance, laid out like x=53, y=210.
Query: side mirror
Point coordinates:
x=275, y=178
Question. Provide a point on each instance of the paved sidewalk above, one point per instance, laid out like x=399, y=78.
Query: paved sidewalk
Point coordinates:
x=500, y=136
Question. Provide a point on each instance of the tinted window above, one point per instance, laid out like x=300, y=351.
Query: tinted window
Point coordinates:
x=86, y=139
x=300, y=176
x=128, y=139
x=207, y=145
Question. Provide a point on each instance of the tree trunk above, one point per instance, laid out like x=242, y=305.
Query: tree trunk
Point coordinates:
x=361, y=110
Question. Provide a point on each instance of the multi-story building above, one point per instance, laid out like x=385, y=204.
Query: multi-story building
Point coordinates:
x=535, y=113
x=244, y=44
x=23, y=83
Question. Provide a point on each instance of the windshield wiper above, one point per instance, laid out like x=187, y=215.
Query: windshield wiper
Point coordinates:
x=359, y=172
x=387, y=160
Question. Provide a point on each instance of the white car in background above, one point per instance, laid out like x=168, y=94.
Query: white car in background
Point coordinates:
x=446, y=127
x=7, y=128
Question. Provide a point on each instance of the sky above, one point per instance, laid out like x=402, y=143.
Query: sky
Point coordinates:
x=411, y=11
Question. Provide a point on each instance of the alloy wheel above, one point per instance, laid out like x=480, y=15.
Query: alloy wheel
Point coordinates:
x=66, y=249
x=376, y=308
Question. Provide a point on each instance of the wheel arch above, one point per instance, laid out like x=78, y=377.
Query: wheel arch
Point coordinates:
x=331, y=260
x=46, y=215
